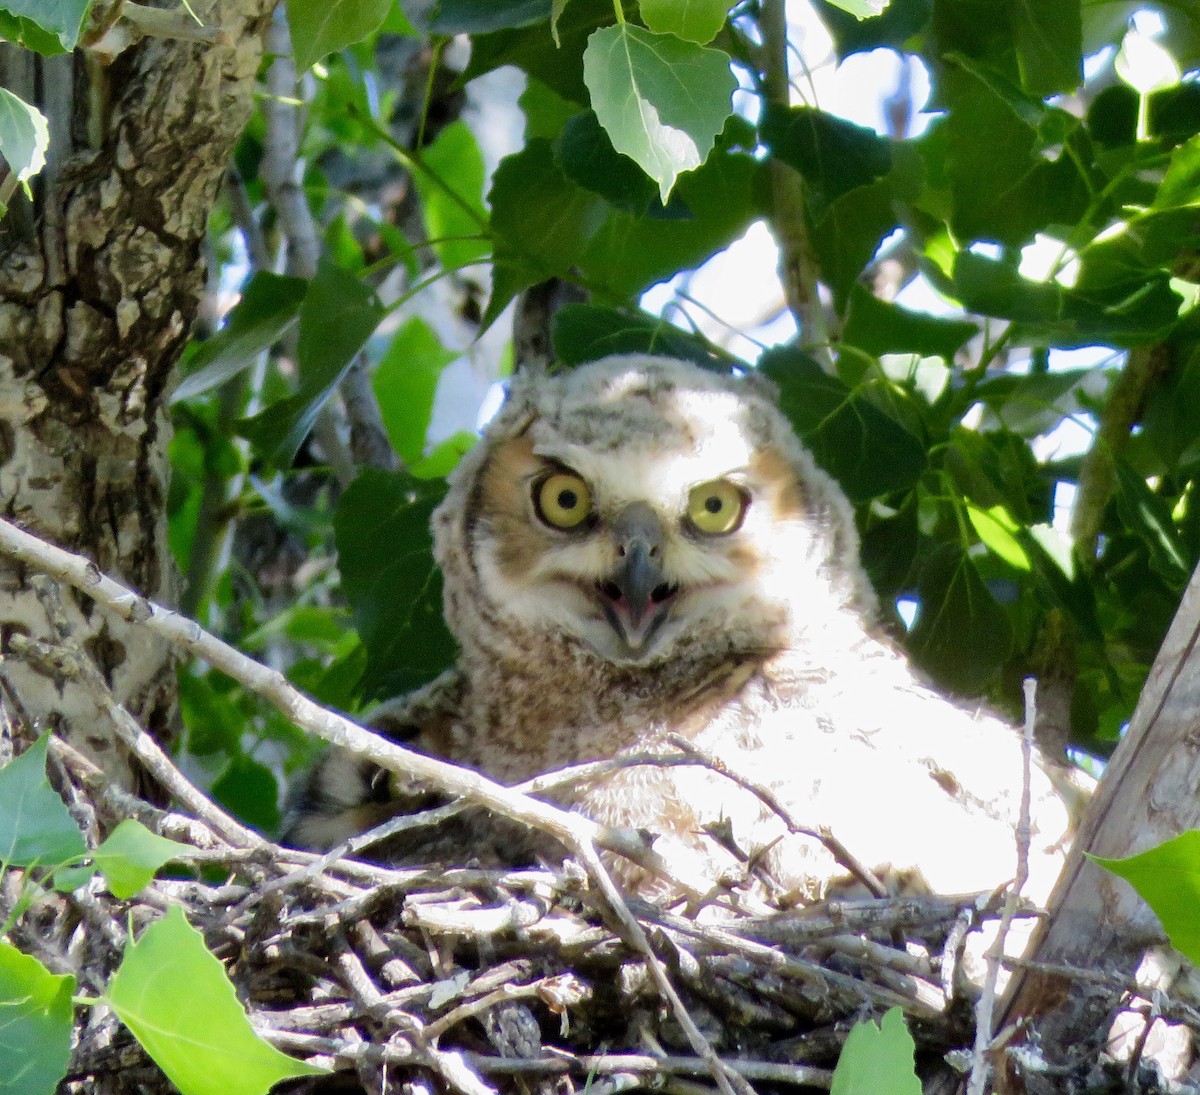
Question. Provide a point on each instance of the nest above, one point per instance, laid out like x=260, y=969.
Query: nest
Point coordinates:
x=479, y=980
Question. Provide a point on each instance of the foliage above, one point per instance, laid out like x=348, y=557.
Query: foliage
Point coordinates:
x=201, y=1038
x=1167, y=878
x=653, y=141
x=877, y=1060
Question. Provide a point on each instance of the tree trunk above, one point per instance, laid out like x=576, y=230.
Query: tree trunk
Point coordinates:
x=1149, y=793
x=96, y=302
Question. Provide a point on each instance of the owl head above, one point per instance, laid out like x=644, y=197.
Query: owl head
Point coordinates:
x=638, y=509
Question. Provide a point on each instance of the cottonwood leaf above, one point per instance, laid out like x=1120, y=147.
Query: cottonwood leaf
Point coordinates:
x=323, y=26
x=846, y=432
x=181, y=1006
x=861, y=9
x=24, y=136
x=132, y=855
x=1167, y=878
x=482, y=16
x=661, y=100
x=338, y=315
x=692, y=20
x=35, y=1024
x=35, y=826
x=955, y=601
x=269, y=306
x=451, y=192
x=405, y=382
x=47, y=26
x=877, y=1060
x=881, y=327
x=385, y=554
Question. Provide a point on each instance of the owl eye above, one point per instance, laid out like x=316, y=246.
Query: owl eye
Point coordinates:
x=716, y=508
x=563, y=500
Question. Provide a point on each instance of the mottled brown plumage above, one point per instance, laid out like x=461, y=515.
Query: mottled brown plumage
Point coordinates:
x=603, y=603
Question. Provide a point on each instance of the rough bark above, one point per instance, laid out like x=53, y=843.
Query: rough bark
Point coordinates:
x=96, y=303
x=1149, y=793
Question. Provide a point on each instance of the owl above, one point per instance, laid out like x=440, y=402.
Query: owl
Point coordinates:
x=640, y=551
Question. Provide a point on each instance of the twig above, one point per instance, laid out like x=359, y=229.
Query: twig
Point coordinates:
x=579, y=834
x=984, y=1007
x=177, y=23
x=1097, y=473
x=797, y=264
x=607, y=1064
x=835, y=847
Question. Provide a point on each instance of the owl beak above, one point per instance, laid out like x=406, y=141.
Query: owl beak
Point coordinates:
x=637, y=597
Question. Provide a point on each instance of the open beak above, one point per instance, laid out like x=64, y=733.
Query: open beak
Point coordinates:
x=637, y=597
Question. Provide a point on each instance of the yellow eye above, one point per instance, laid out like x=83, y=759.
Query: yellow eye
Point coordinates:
x=563, y=500
x=716, y=508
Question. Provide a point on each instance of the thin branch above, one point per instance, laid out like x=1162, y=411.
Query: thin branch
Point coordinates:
x=984, y=1007
x=1097, y=474
x=798, y=265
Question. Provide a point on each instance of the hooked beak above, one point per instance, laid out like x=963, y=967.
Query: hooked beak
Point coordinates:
x=637, y=597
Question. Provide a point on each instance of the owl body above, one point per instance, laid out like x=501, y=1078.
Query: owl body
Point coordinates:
x=640, y=549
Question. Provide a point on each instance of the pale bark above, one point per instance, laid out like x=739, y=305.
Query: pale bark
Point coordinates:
x=96, y=303
x=1150, y=792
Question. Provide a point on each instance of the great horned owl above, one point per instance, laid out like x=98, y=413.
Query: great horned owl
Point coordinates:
x=641, y=548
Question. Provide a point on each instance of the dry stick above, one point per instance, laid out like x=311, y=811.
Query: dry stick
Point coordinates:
x=985, y=1006
x=836, y=848
x=579, y=834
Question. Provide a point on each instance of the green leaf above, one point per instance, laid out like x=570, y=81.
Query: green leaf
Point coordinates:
x=626, y=255
x=132, y=855
x=385, y=553
x=269, y=306
x=661, y=100
x=35, y=1024
x=861, y=9
x=323, y=26
x=36, y=829
x=881, y=327
x=898, y=23
x=833, y=155
x=1005, y=188
x=1148, y=516
x=555, y=62
x=692, y=20
x=249, y=790
x=1167, y=878
x=24, y=136
x=849, y=233
x=846, y=432
x=955, y=601
x=877, y=1060
x=588, y=332
x=337, y=317
x=481, y=16
x=453, y=204
x=1048, y=36
x=997, y=529
x=540, y=222
x=61, y=18
x=405, y=382
x=588, y=159
x=1045, y=312
x=177, y=1000
x=1034, y=404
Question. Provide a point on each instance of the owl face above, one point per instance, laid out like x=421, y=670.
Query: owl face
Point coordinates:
x=638, y=506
